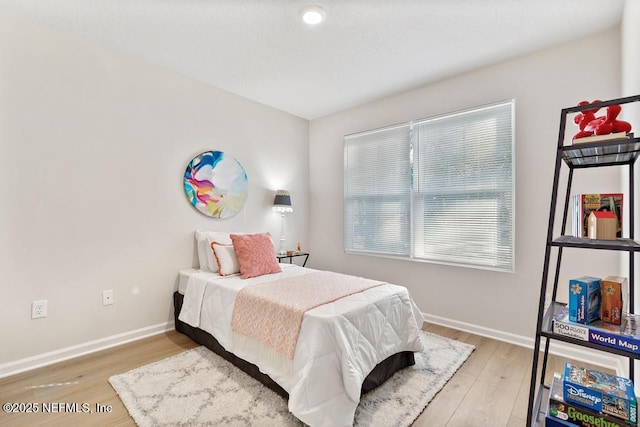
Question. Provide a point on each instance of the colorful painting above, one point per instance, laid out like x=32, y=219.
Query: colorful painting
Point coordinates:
x=216, y=184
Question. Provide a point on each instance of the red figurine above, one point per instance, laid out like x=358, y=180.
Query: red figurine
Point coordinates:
x=617, y=125
x=583, y=119
x=589, y=124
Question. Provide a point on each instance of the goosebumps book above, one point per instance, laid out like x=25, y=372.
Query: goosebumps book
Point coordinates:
x=584, y=204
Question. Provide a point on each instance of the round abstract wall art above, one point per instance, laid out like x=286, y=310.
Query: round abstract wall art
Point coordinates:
x=216, y=184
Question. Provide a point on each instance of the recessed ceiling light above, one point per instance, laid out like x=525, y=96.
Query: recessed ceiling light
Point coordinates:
x=312, y=15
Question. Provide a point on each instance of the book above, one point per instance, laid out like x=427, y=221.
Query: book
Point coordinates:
x=601, y=392
x=561, y=412
x=584, y=204
x=598, y=332
x=601, y=138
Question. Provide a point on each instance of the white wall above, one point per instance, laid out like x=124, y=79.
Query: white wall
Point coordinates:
x=93, y=148
x=630, y=29
x=542, y=84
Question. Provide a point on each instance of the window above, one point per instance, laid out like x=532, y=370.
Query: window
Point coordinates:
x=439, y=189
x=378, y=192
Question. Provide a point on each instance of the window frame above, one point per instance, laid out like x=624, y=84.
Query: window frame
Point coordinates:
x=502, y=233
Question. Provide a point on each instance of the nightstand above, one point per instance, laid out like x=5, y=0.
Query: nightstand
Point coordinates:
x=295, y=254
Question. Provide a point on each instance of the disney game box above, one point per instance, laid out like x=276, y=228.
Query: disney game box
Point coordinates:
x=560, y=411
x=600, y=392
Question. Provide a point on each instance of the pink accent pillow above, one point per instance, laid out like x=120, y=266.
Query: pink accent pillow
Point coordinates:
x=256, y=254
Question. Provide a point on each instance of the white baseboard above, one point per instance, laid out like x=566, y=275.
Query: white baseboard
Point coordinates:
x=26, y=364
x=559, y=348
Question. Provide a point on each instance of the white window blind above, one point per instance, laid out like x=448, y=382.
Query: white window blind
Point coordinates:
x=377, y=192
x=458, y=170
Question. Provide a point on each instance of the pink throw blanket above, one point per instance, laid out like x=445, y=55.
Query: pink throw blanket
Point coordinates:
x=272, y=312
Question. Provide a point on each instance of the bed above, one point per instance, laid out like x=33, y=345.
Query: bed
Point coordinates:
x=345, y=348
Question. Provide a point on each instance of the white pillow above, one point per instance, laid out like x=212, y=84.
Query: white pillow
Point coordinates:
x=201, y=241
x=205, y=253
x=226, y=259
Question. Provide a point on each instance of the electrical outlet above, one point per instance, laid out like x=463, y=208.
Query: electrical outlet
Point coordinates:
x=107, y=297
x=39, y=309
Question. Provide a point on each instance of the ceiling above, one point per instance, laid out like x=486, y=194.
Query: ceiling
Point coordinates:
x=365, y=50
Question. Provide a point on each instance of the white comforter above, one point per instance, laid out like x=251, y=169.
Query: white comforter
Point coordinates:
x=339, y=343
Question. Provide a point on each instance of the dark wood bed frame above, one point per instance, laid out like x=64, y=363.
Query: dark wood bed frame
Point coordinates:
x=377, y=376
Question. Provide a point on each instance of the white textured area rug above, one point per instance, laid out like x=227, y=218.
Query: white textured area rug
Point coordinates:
x=197, y=387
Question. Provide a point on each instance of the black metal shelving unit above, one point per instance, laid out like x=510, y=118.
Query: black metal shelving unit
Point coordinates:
x=621, y=152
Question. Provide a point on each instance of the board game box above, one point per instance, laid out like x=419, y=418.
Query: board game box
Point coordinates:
x=550, y=421
x=574, y=414
x=622, y=337
x=584, y=299
x=600, y=392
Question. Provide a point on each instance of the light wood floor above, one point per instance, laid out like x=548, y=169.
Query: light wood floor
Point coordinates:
x=490, y=389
